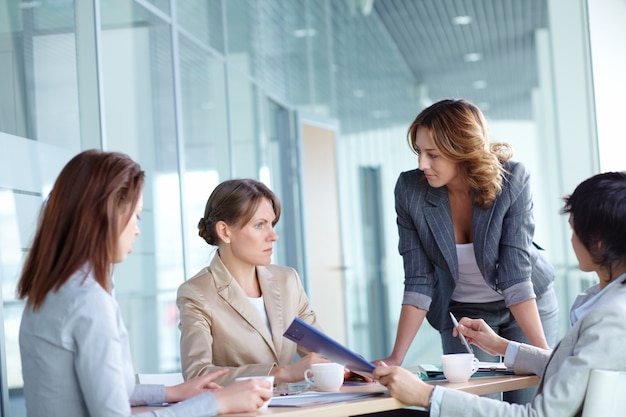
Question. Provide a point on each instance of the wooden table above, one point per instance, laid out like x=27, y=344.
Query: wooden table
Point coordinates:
x=478, y=386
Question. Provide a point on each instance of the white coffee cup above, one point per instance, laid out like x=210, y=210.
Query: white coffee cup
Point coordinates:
x=458, y=367
x=264, y=377
x=327, y=376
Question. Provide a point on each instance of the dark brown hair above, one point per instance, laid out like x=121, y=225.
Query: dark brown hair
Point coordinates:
x=80, y=222
x=459, y=131
x=234, y=202
x=598, y=210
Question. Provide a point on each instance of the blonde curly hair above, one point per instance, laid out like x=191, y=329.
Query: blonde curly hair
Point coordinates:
x=459, y=131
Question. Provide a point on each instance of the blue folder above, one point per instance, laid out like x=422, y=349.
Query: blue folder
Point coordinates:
x=314, y=340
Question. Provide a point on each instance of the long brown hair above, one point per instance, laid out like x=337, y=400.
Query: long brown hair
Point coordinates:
x=459, y=131
x=80, y=222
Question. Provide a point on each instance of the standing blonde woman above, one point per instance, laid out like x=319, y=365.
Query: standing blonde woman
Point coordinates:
x=465, y=226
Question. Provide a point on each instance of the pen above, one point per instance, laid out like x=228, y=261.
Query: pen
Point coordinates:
x=456, y=326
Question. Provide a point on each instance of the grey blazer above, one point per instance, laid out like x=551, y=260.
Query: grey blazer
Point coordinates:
x=503, y=243
x=594, y=342
x=220, y=327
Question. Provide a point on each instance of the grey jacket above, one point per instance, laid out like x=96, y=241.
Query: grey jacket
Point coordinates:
x=503, y=242
x=76, y=359
x=594, y=342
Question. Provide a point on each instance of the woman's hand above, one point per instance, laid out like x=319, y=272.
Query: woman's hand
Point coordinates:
x=349, y=375
x=193, y=387
x=389, y=361
x=403, y=385
x=477, y=332
x=295, y=371
x=243, y=396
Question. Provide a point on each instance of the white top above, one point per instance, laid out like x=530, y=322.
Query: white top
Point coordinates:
x=76, y=359
x=259, y=305
x=471, y=286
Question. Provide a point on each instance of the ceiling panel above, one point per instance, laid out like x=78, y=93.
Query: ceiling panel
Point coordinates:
x=491, y=60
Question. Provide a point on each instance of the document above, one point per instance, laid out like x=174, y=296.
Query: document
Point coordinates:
x=492, y=366
x=312, y=339
x=310, y=398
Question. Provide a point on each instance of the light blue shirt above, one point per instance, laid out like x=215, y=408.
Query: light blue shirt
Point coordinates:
x=76, y=359
x=586, y=300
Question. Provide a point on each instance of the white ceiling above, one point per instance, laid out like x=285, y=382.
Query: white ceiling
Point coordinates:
x=491, y=60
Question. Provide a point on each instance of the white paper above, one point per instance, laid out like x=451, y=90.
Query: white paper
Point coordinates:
x=310, y=398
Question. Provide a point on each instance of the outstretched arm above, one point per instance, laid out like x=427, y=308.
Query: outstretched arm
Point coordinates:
x=411, y=319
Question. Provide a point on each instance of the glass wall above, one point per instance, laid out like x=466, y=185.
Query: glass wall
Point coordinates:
x=202, y=91
x=39, y=131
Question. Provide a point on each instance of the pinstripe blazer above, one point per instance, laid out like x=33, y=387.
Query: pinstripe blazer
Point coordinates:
x=220, y=328
x=507, y=258
x=594, y=342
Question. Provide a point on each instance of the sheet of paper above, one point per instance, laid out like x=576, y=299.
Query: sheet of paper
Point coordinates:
x=492, y=366
x=310, y=398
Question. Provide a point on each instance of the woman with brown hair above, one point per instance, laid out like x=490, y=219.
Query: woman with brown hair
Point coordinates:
x=465, y=226
x=234, y=312
x=73, y=343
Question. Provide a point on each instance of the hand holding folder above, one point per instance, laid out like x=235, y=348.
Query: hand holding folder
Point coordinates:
x=316, y=341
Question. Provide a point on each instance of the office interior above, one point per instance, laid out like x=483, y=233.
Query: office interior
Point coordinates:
x=312, y=97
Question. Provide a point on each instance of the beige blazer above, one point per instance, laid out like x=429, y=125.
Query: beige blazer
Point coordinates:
x=220, y=327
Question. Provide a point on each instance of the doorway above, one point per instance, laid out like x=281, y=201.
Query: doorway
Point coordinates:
x=322, y=234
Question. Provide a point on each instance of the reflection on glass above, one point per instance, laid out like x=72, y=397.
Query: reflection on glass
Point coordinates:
x=244, y=126
x=207, y=154
x=38, y=65
x=244, y=26
x=141, y=121
x=203, y=20
x=204, y=110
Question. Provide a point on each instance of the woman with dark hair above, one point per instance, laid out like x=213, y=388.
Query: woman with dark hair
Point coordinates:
x=597, y=216
x=465, y=226
x=73, y=343
x=234, y=312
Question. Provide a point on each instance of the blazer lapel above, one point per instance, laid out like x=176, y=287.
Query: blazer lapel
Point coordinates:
x=231, y=293
x=270, y=288
x=439, y=219
x=481, y=220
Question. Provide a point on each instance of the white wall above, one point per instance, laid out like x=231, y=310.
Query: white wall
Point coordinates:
x=607, y=33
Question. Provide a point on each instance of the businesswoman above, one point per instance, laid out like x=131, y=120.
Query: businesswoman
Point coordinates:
x=466, y=229
x=234, y=312
x=73, y=343
x=597, y=216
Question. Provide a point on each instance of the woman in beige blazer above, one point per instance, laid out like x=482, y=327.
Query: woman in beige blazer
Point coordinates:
x=233, y=313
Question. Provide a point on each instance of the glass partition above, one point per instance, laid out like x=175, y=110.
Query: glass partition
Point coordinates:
x=206, y=145
x=138, y=90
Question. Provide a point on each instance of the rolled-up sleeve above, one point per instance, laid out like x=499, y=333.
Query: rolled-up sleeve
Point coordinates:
x=518, y=293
